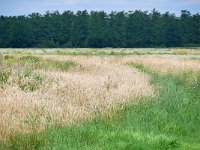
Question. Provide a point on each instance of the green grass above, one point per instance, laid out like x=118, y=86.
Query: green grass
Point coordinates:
x=4, y=75
x=38, y=63
x=58, y=65
x=31, y=59
x=35, y=62
x=169, y=120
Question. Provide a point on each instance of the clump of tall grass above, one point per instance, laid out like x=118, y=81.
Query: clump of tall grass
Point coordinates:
x=180, y=51
x=4, y=75
x=29, y=81
x=1, y=61
x=185, y=51
x=58, y=65
x=31, y=59
x=39, y=63
x=8, y=57
x=35, y=62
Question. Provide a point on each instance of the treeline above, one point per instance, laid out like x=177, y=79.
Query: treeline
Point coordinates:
x=100, y=29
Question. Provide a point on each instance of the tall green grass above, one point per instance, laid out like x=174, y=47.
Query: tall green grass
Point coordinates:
x=35, y=62
x=58, y=65
x=170, y=120
x=4, y=75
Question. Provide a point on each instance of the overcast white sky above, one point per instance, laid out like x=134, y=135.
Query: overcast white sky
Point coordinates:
x=24, y=7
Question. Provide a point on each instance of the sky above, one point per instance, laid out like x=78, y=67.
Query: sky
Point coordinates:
x=25, y=7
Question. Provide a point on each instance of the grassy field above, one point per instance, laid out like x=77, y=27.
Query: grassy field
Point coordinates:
x=54, y=101
x=106, y=51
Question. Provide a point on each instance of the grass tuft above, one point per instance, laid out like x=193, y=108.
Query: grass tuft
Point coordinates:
x=31, y=59
x=29, y=81
x=4, y=75
x=58, y=65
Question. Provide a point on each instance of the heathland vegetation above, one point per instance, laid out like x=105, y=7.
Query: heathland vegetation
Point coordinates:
x=100, y=29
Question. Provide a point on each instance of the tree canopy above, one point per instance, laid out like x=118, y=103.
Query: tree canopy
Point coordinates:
x=100, y=29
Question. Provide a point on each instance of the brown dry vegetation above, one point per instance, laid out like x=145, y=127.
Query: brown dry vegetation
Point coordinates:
x=167, y=65
x=185, y=51
x=95, y=86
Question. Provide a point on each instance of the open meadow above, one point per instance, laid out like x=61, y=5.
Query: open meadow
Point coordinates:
x=100, y=99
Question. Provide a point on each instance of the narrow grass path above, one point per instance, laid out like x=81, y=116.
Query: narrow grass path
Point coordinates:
x=169, y=120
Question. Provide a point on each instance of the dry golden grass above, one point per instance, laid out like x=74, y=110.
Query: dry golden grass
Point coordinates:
x=185, y=51
x=97, y=86
x=167, y=65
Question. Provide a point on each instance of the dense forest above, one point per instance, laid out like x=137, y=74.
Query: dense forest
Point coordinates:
x=100, y=29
